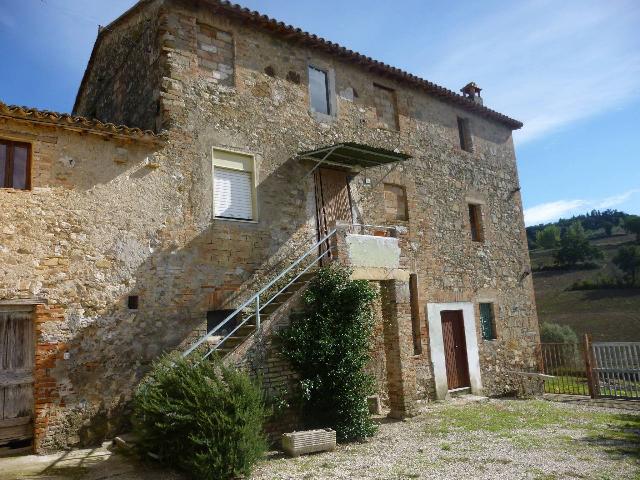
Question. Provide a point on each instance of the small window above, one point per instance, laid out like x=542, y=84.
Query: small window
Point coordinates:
x=475, y=222
x=319, y=91
x=466, y=142
x=216, y=317
x=395, y=202
x=233, y=186
x=133, y=302
x=386, y=107
x=15, y=165
x=487, y=321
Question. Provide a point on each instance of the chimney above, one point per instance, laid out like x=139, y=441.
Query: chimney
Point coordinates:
x=472, y=92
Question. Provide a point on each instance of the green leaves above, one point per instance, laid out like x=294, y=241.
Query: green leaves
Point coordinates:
x=328, y=345
x=203, y=418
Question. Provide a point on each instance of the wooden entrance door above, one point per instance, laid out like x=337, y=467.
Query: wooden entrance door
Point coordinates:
x=16, y=377
x=333, y=201
x=455, y=349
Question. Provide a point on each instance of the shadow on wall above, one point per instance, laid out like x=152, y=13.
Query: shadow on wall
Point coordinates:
x=218, y=268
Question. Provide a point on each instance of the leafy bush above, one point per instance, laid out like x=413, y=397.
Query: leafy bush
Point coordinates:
x=554, y=333
x=628, y=260
x=632, y=225
x=329, y=345
x=548, y=237
x=203, y=418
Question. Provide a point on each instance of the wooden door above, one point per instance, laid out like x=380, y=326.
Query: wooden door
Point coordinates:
x=333, y=201
x=16, y=377
x=455, y=349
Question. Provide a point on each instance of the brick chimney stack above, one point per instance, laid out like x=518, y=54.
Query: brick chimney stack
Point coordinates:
x=472, y=92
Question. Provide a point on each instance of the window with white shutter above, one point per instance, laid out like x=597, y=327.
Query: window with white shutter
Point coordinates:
x=233, y=186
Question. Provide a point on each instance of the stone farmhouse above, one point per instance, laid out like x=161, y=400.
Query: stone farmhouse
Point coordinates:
x=250, y=145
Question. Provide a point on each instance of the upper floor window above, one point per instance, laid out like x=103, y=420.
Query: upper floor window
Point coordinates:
x=234, y=193
x=464, y=131
x=386, y=107
x=15, y=165
x=475, y=222
x=395, y=202
x=319, y=91
x=487, y=321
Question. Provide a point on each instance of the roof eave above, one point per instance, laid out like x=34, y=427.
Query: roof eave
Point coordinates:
x=75, y=123
x=292, y=33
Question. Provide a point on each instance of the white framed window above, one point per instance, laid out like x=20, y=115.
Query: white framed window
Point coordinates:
x=234, y=185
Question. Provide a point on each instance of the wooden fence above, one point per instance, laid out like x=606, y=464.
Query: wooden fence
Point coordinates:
x=600, y=369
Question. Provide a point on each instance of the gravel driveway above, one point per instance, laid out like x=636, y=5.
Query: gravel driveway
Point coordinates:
x=495, y=439
x=491, y=439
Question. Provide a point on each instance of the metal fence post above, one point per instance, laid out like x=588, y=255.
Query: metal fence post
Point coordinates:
x=587, y=362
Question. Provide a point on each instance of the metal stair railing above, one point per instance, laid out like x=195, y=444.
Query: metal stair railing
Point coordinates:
x=255, y=298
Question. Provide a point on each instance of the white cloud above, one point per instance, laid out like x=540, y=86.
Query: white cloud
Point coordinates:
x=545, y=62
x=548, y=212
x=615, y=200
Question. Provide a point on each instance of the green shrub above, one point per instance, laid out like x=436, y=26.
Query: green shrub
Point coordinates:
x=203, y=418
x=329, y=345
x=554, y=333
x=601, y=282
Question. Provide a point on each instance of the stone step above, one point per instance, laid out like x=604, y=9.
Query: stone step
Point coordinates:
x=458, y=392
x=269, y=309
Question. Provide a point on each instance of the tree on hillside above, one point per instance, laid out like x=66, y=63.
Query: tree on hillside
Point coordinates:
x=632, y=225
x=549, y=237
x=628, y=260
x=608, y=228
x=575, y=247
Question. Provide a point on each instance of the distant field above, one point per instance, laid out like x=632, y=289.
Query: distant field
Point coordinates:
x=609, y=315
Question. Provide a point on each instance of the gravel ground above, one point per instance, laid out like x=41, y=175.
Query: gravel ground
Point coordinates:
x=496, y=439
x=491, y=439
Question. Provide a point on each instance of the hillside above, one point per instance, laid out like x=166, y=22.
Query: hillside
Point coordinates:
x=608, y=314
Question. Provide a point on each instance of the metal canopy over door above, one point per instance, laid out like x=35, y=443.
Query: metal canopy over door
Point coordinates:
x=455, y=349
x=16, y=378
x=333, y=201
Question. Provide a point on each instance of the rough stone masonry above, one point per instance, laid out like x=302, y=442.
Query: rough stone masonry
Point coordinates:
x=119, y=212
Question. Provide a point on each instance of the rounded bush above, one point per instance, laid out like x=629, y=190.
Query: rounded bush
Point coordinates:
x=202, y=418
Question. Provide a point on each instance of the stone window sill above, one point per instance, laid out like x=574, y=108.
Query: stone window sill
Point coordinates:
x=322, y=117
x=386, y=128
x=235, y=220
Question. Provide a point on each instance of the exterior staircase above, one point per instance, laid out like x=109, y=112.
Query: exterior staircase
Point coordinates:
x=249, y=328
x=245, y=321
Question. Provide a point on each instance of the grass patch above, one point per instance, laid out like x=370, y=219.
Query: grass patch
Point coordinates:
x=533, y=424
x=499, y=417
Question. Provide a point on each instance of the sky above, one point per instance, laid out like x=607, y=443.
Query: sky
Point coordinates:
x=570, y=70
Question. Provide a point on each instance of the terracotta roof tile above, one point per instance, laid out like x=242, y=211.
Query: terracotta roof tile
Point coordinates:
x=292, y=33
x=66, y=120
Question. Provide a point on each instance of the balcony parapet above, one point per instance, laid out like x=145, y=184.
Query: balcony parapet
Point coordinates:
x=373, y=252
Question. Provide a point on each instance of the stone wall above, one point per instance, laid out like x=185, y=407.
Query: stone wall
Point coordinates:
x=109, y=219
x=265, y=112
x=122, y=83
